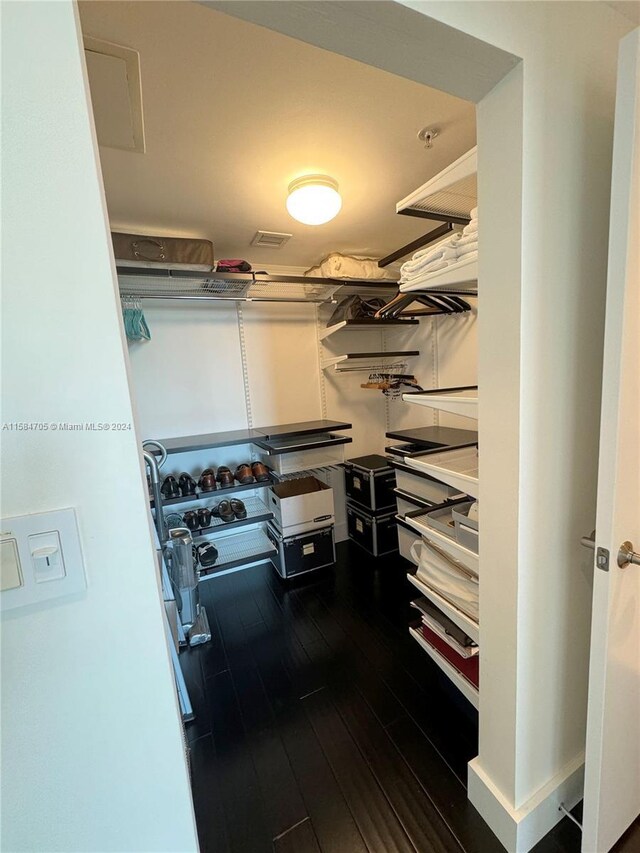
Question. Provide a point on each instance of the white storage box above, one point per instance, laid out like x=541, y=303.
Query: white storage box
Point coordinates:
x=301, y=505
x=467, y=528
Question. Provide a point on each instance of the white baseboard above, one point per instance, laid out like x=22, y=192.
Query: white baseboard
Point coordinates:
x=520, y=829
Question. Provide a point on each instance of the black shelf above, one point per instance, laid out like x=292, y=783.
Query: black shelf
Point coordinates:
x=209, y=441
x=304, y=428
x=235, y=437
x=200, y=496
x=436, y=436
x=277, y=447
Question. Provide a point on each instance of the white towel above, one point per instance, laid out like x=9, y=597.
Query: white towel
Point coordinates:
x=438, y=247
x=464, y=241
x=406, y=278
x=414, y=266
x=471, y=228
x=463, y=251
x=474, y=213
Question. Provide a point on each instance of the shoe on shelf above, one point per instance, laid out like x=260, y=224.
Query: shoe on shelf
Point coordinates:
x=170, y=488
x=243, y=474
x=260, y=472
x=238, y=508
x=191, y=520
x=207, y=481
x=187, y=484
x=173, y=520
x=206, y=553
x=225, y=477
x=204, y=517
x=225, y=512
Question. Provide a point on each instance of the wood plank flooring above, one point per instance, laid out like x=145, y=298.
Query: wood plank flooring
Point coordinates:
x=322, y=726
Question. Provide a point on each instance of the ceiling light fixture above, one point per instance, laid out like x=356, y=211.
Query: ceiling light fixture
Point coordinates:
x=314, y=199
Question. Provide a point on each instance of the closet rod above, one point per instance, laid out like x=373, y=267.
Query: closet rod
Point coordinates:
x=224, y=298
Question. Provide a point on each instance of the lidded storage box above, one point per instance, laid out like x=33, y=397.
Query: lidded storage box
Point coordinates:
x=370, y=481
x=301, y=504
x=376, y=533
x=302, y=553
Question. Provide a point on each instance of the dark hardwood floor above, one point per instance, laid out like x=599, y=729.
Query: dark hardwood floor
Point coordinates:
x=322, y=726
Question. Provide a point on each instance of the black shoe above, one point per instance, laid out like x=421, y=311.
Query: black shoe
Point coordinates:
x=170, y=488
x=187, y=484
x=239, y=509
x=225, y=512
x=207, y=554
x=204, y=517
x=191, y=520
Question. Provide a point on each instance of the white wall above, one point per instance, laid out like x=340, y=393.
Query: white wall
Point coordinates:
x=92, y=755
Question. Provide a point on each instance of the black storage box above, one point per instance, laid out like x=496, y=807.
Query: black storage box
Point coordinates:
x=303, y=552
x=370, y=481
x=375, y=532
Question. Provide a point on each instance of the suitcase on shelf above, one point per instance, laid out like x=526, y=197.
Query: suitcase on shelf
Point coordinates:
x=140, y=250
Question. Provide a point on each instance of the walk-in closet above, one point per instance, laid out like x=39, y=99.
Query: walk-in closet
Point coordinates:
x=363, y=418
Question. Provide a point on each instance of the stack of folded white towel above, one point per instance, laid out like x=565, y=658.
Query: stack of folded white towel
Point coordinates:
x=462, y=246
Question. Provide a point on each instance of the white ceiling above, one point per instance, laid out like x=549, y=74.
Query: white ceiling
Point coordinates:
x=233, y=112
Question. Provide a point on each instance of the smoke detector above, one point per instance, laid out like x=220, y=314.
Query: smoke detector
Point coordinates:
x=270, y=239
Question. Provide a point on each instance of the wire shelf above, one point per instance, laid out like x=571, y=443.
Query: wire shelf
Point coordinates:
x=452, y=192
x=148, y=283
x=239, y=549
x=256, y=511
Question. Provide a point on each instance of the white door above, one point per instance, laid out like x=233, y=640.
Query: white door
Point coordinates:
x=612, y=768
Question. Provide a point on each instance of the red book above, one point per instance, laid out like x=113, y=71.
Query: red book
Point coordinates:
x=467, y=667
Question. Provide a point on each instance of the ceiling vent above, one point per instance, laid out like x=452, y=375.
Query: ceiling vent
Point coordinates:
x=270, y=239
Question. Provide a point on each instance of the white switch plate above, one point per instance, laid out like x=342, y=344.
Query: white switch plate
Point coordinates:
x=49, y=554
x=10, y=565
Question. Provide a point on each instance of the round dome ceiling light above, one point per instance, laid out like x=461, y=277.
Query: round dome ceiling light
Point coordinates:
x=314, y=199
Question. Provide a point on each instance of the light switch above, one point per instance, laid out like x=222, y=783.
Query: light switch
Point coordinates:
x=41, y=559
x=10, y=565
x=46, y=557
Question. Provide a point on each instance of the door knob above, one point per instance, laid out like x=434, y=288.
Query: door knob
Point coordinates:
x=627, y=556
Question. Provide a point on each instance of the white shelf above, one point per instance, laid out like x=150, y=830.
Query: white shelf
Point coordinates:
x=468, y=690
x=453, y=549
x=369, y=362
x=463, y=274
x=452, y=192
x=469, y=626
x=463, y=402
x=457, y=468
x=364, y=326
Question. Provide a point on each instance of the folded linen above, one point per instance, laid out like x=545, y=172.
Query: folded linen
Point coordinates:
x=438, y=265
x=443, y=255
x=469, y=238
x=463, y=251
x=473, y=214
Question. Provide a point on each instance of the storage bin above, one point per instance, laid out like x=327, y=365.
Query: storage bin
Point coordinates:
x=304, y=552
x=457, y=467
x=406, y=538
x=467, y=529
x=409, y=503
x=301, y=505
x=370, y=481
x=286, y=456
x=375, y=533
x=422, y=485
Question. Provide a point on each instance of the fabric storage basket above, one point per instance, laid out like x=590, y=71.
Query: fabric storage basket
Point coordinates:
x=449, y=579
x=375, y=533
x=305, y=552
x=370, y=481
x=139, y=250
